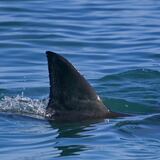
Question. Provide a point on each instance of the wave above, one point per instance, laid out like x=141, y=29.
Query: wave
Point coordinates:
x=142, y=120
x=136, y=74
x=140, y=86
x=144, y=126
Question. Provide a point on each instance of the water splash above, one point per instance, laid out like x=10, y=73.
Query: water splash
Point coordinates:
x=23, y=105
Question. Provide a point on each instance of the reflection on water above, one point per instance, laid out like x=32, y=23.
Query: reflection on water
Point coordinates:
x=70, y=150
x=68, y=133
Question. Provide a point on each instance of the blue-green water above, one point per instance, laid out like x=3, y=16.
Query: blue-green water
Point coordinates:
x=114, y=44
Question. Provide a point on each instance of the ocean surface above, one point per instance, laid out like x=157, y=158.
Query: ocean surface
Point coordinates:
x=115, y=44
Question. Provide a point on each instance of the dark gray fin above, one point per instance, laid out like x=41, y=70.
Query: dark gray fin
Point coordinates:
x=69, y=91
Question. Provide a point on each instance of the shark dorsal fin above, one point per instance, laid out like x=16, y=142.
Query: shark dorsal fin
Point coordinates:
x=69, y=90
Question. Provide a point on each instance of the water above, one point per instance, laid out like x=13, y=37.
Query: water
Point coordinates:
x=114, y=44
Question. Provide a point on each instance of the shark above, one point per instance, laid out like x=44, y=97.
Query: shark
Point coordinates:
x=71, y=97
